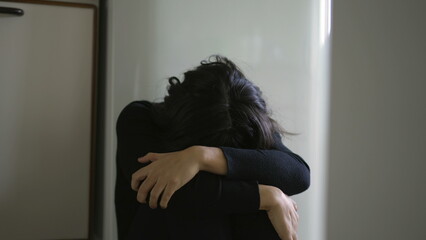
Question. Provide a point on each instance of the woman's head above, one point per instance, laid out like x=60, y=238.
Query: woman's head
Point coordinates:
x=215, y=105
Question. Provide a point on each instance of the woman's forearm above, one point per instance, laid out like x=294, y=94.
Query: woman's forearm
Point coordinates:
x=277, y=167
x=269, y=196
x=281, y=210
x=213, y=160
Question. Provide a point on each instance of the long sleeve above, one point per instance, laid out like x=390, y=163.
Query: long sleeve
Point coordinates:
x=278, y=167
x=136, y=137
x=205, y=195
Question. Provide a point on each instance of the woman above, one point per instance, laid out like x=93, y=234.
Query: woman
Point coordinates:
x=207, y=163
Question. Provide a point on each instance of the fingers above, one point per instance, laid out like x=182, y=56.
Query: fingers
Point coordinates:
x=292, y=224
x=156, y=192
x=295, y=216
x=294, y=204
x=295, y=223
x=137, y=178
x=159, y=190
x=169, y=190
x=293, y=219
x=145, y=187
x=149, y=157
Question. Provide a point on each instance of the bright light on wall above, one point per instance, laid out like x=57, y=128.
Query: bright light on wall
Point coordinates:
x=325, y=20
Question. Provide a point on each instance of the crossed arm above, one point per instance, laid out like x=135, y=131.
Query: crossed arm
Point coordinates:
x=170, y=171
x=221, y=178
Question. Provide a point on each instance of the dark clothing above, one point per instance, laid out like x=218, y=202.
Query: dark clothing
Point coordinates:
x=209, y=206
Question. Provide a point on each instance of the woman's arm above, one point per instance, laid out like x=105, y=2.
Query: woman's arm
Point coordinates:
x=170, y=171
x=278, y=167
x=136, y=137
x=281, y=210
x=206, y=192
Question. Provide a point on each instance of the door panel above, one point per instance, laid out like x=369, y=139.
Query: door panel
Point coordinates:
x=46, y=67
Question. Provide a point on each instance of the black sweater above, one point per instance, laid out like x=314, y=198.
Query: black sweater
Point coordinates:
x=209, y=206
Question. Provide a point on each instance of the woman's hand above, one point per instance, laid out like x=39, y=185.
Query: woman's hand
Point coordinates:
x=166, y=174
x=282, y=211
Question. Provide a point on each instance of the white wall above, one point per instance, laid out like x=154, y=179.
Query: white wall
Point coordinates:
x=276, y=43
x=377, y=122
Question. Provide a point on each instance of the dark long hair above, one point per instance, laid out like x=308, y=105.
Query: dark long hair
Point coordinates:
x=215, y=105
